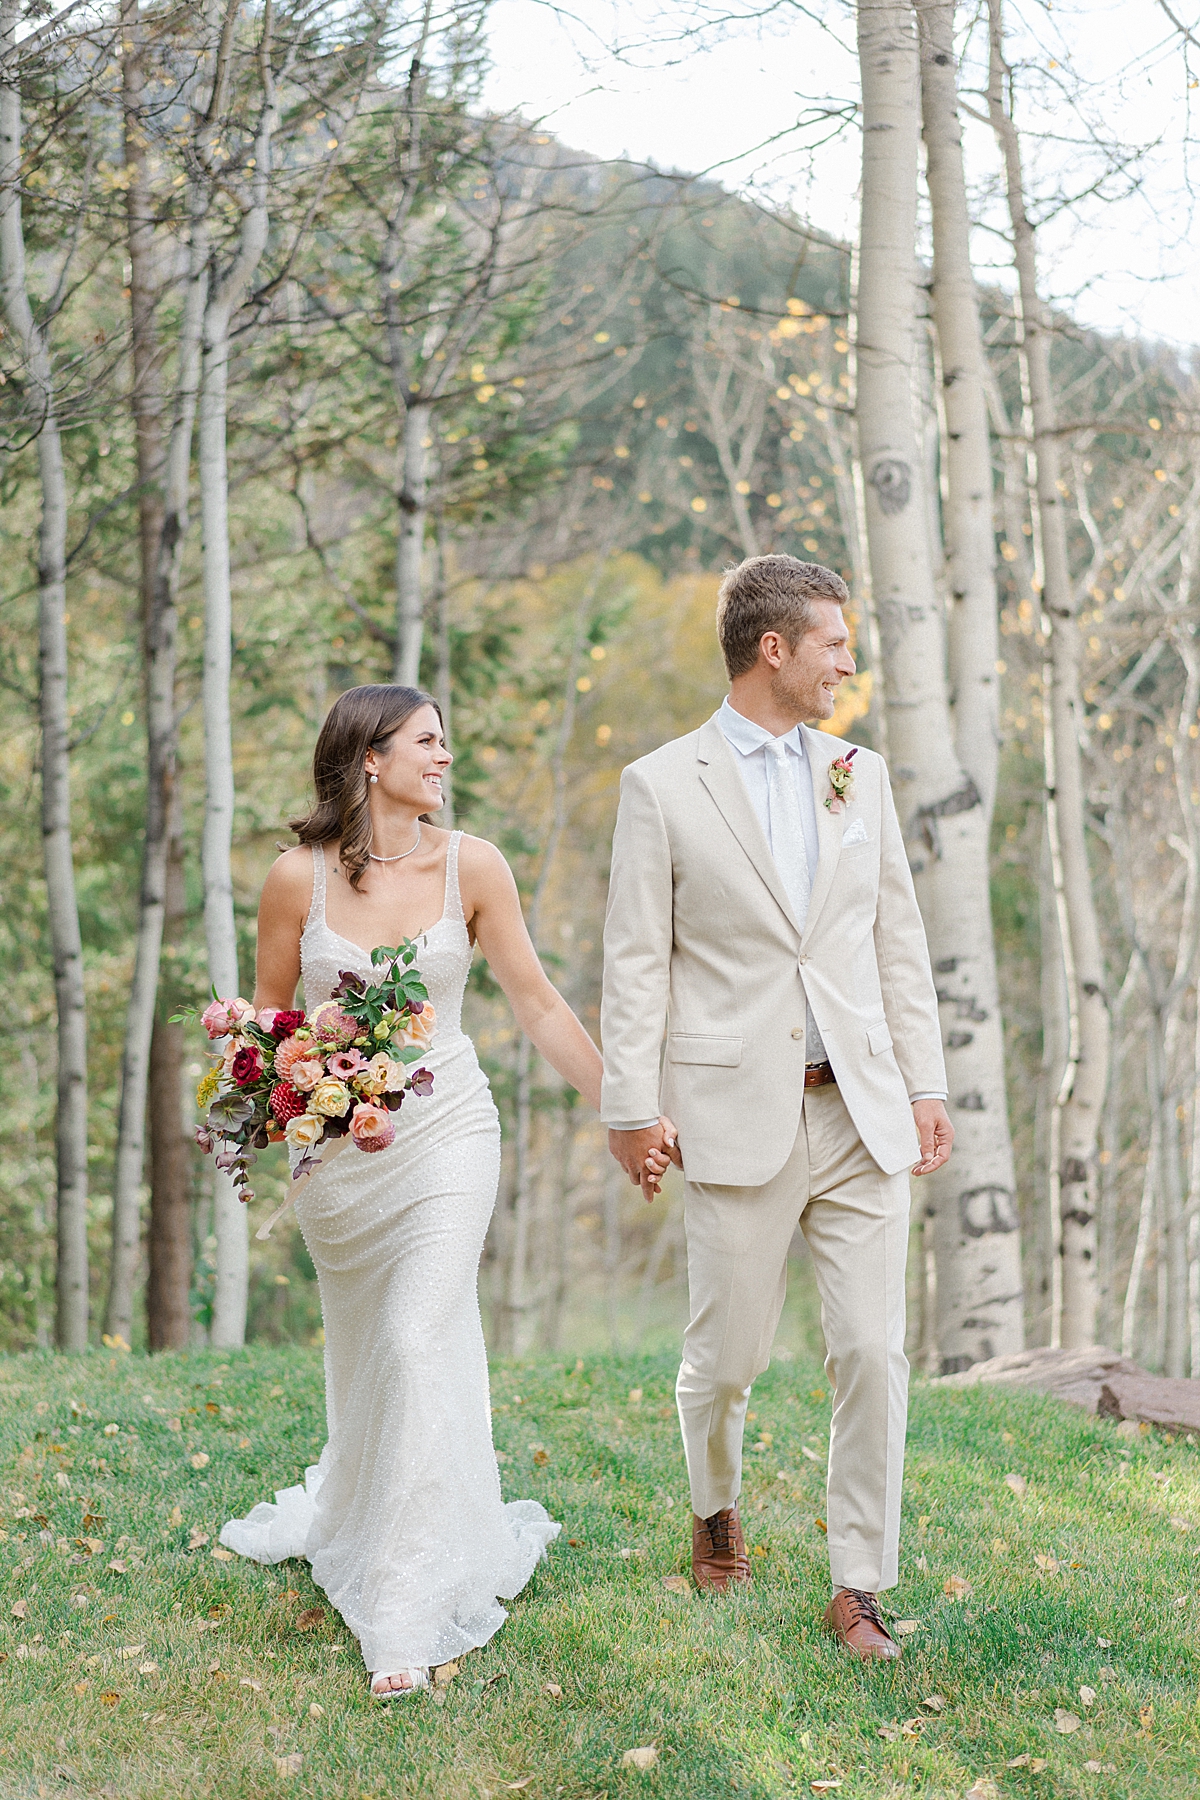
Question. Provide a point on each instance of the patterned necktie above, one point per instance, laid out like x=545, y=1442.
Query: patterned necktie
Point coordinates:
x=787, y=830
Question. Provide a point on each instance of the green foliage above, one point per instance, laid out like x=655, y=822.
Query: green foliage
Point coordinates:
x=740, y=1695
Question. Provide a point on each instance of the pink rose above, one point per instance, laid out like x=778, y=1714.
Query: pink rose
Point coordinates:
x=224, y=1016
x=267, y=1017
x=305, y=1075
x=371, y=1127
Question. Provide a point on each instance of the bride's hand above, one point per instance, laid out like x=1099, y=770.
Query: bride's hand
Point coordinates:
x=659, y=1161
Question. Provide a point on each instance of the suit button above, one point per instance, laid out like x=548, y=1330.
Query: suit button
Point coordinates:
x=797, y=1032
x=804, y=958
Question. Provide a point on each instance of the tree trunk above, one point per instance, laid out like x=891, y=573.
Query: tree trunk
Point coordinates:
x=158, y=626
x=410, y=545
x=1075, y=1117
x=168, y=1292
x=71, y=1135
x=975, y=1226
x=220, y=930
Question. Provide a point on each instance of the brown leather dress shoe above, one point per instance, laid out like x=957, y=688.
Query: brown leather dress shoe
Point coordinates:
x=856, y=1621
x=719, y=1551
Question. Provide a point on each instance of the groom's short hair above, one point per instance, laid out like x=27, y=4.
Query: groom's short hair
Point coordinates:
x=770, y=593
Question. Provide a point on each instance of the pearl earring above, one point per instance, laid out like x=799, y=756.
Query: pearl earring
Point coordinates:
x=374, y=778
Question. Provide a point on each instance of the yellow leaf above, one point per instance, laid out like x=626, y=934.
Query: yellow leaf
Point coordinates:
x=644, y=1756
x=825, y=1787
x=1020, y=1762
x=1146, y=1718
x=110, y=1698
x=905, y=1627
x=677, y=1584
x=958, y=1587
x=1049, y=1564
x=1018, y=1484
x=175, y=1517
x=1066, y=1722
x=541, y=1458
x=199, y=1461
x=315, y=1710
x=221, y=1554
x=444, y=1674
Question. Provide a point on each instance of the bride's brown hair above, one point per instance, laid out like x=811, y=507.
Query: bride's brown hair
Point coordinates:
x=361, y=719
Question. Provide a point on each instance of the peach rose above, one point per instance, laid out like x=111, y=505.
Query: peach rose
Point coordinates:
x=371, y=1127
x=304, y=1131
x=306, y=1073
x=418, y=1028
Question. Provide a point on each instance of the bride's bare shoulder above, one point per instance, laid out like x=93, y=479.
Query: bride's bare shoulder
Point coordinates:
x=479, y=858
x=289, y=880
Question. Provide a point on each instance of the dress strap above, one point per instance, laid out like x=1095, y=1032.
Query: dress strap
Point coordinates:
x=453, y=909
x=316, y=911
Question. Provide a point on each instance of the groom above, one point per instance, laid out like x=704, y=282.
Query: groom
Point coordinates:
x=761, y=918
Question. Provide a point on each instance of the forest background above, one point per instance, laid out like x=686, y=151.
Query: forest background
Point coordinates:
x=316, y=373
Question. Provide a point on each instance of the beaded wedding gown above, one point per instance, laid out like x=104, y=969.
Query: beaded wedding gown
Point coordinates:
x=402, y=1517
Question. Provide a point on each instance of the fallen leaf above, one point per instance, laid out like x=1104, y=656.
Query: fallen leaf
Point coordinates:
x=1020, y=1762
x=514, y=1787
x=825, y=1787
x=935, y=1702
x=891, y=1732
x=905, y=1627
x=1106, y=1643
x=200, y=1460
x=1088, y=1696
x=246, y=1682
x=118, y=1567
x=635, y=1396
x=243, y=1443
x=315, y=1710
x=644, y=1756
x=984, y=1789
x=175, y=1516
x=148, y=1668
x=197, y=1538
x=444, y=1674
x=1107, y=1674
x=812, y=1455
x=174, y=1424
x=999, y=1547
x=1181, y=1524
x=1049, y=1564
x=287, y=1766
x=553, y=1690
x=957, y=1587
x=111, y=1430
x=1098, y=1768
x=1145, y=1719
x=210, y=1406
x=821, y=1526
x=20, y=1609
x=110, y=1698
x=81, y=1687
x=129, y=1651
x=677, y=1584
x=310, y=1618
x=220, y=1553
x=1038, y=1764
x=541, y=1458
x=1066, y=1722
x=1017, y=1483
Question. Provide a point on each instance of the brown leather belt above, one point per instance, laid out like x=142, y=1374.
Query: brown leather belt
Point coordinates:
x=819, y=1074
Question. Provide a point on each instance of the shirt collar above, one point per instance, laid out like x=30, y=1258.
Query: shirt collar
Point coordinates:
x=746, y=737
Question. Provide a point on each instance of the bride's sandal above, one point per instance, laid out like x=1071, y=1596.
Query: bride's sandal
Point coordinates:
x=417, y=1679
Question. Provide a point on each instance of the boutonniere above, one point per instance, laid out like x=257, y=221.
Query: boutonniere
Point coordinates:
x=841, y=781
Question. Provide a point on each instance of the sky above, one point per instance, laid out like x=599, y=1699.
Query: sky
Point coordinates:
x=1108, y=100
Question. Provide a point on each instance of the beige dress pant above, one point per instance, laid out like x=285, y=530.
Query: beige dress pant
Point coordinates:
x=855, y=1221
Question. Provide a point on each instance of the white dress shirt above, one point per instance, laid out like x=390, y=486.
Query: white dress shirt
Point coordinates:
x=747, y=741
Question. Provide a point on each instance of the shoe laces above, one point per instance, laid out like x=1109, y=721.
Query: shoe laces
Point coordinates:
x=864, y=1606
x=718, y=1530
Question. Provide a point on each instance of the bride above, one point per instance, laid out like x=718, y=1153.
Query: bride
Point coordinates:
x=402, y=1518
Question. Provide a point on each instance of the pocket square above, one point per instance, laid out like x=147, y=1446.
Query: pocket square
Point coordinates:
x=855, y=834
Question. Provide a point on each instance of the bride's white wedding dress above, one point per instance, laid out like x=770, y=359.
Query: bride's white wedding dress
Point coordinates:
x=402, y=1517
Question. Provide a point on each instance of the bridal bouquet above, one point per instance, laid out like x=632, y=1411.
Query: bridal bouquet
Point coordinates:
x=341, y=1070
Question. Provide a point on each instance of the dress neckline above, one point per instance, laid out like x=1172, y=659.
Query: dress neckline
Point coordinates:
x=320, y=884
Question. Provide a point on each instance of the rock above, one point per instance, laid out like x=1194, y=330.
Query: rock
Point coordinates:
x=1079, y=1376
x=1169, y=1402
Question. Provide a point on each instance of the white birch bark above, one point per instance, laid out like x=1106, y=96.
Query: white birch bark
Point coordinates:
x=972, y=1204
x=1078, y=1102
x=225, y=294
x=413, y=503
x=71, y=1130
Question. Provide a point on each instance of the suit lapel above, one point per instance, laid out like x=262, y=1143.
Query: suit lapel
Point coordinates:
x=830, y=824
x=719, y=773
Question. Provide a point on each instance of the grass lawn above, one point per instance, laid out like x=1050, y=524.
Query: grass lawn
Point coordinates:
x=136, y=1663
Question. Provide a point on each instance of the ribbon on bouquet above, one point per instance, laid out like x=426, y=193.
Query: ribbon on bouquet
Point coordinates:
x=330, y=1150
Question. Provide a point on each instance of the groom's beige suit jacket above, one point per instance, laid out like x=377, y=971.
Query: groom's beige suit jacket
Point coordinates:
x=702, y=949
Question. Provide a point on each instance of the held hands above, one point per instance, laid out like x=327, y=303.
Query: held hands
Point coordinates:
x=645, y=1155
x=936, y=1133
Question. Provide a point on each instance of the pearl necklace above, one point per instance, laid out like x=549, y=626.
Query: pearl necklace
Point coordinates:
x=403, y=853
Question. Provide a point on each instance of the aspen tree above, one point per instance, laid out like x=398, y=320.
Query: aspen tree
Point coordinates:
x=971, y=1206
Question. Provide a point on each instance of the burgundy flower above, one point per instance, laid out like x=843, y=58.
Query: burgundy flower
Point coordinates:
x=204, y=1139
x=421, y=1082
x=247, y=1066
x=285, y=1023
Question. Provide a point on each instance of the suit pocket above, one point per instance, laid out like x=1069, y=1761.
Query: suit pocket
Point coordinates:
x=879, y=1038
x=691, y=1047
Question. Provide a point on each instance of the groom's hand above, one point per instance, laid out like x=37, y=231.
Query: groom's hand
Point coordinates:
x=645, y=1154
x=936, y=1134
